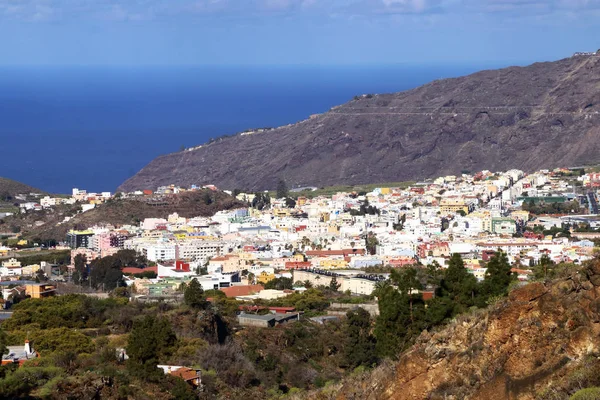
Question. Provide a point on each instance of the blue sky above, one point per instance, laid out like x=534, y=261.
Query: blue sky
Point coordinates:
x=191, y=32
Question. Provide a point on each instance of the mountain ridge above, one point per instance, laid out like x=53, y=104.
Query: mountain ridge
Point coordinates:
x=493, y=119
x=10, y=187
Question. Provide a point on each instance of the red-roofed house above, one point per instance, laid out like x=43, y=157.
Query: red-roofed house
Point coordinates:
x=242, y=290
x=298, y=264
x=134, y=270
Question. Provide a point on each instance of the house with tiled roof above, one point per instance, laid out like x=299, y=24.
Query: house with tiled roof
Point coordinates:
x=19, y=354
x=191, y=376
x=242, y=290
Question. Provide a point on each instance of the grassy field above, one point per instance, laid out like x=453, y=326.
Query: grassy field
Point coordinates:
x=35, y=257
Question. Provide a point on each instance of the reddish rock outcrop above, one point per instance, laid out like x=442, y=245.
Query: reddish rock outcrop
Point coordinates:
x=517, y=349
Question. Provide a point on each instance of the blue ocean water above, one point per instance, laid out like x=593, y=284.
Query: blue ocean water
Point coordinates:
x=92, y=127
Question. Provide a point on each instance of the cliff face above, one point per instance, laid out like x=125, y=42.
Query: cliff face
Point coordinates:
x=541, y=343
x=540, y=116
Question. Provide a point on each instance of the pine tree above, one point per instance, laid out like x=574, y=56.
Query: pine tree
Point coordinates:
x=397, y=325
x=193, y=295
x=407, y=282
x=359, y=348
x=498, y=275
x=150, y=340
x=282, y=189
x=459, y=285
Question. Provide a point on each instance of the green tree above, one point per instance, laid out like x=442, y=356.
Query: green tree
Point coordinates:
x=407, y=283
x=458, y=285
x=40, y=275
x=359, y=348
x=333, y=284
x=498, y=275
x=193, y=295
x=3, y=342
x=282, y=189
x=544, y=268
x=151, y=339
x=106, y=273
x=434, y=274
x=80, y=262
x=394, y=327
x=290, y=203
x=282, y=283
x=371, y=243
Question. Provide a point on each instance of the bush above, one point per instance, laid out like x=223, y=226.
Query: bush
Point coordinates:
x=231, y=365
x=587, y=394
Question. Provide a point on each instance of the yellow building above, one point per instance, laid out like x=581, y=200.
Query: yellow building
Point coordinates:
x=301, y=201
x=264, y=277
x=472, y=263
x=281, y=212
x=386, y=190
x=333, y=228
x=180, y=235
x=453, y=205
x=492, y=189
x=297, y=258
x=332, y=263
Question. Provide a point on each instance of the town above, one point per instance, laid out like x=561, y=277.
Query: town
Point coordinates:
x=263, y=260
x=347, y=235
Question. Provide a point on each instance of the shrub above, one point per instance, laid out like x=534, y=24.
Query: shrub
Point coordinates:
x=587, y=394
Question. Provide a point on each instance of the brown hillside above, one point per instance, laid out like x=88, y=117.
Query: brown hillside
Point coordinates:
x=44, y=224
x=541, y=343
x=12, y=188
x=540, y=116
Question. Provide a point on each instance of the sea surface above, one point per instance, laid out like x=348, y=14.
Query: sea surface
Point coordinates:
x=93, y=127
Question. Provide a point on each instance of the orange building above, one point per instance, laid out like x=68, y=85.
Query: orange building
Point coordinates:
x=40, y=290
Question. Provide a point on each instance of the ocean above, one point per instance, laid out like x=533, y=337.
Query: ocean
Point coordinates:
x=93, y=127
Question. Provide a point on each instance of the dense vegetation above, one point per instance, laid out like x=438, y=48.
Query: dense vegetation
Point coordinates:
x=79, y=337
x=567, y=207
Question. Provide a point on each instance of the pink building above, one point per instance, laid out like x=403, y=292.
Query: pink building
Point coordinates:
x=88, y=253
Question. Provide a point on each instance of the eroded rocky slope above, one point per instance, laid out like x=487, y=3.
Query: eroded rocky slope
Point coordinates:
x=543, y=342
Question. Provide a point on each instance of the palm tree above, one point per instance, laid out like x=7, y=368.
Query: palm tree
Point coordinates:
x=381, y=286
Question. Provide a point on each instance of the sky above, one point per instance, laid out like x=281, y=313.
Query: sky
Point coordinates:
x=293, y=32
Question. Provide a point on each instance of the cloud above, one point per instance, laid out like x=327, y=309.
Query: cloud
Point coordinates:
x=134, y=10
x=531, y=7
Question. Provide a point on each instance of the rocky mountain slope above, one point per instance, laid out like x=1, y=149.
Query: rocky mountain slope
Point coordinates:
x=543, y=342
x=543, y=115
